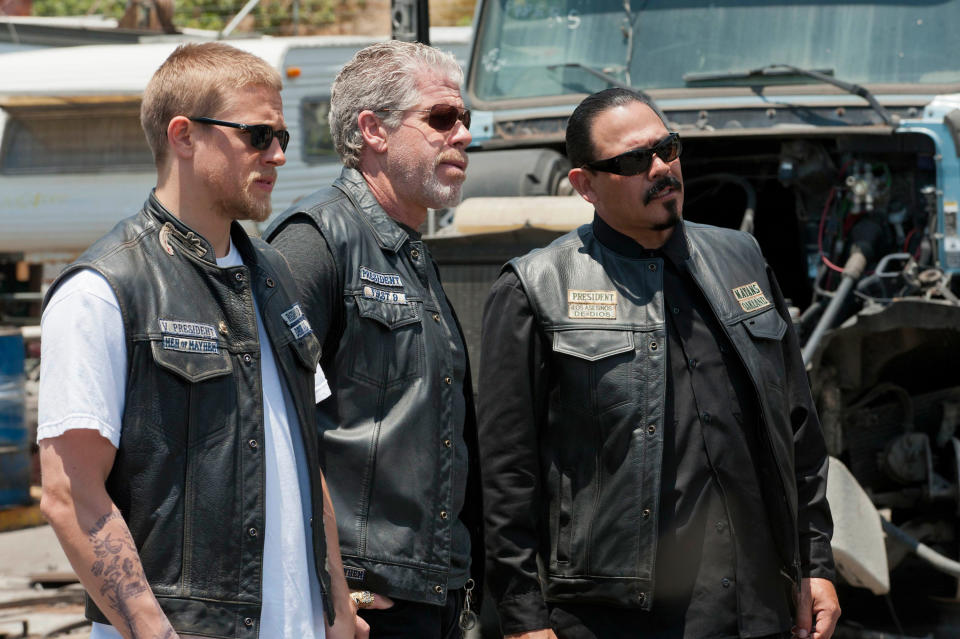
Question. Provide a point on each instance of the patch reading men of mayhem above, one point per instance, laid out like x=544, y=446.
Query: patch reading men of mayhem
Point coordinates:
x=591, y=304
x=188, y=337
x=751, y=297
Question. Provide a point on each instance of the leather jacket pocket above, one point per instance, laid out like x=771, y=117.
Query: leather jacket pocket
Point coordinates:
x=386, y=345
x=196, y=394
x=596, y=368
x=767, y=330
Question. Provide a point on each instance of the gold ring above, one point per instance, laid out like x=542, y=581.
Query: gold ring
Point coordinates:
x=363, y=598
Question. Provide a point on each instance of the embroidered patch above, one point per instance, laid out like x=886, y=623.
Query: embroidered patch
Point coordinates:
x=382, y=279
x=187, y=329
x=380, y=295
x=292, y=314
x=591, y=304
x=301, y=329
x=751, y=297
x=188, y=345
x=354, y=574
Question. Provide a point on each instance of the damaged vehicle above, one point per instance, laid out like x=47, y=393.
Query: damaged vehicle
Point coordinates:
x=831, y=132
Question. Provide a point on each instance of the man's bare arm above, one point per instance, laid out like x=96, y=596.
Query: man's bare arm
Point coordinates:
x=348, y=625
x=94, y=535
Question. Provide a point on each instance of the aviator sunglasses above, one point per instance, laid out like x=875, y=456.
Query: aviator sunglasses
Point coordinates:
x=261, y=135
x=639, y=160
x=442, y=117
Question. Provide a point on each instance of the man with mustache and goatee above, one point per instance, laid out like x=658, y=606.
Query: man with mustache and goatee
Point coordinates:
x=653, y=464
x=178, y=388
x=399, y=431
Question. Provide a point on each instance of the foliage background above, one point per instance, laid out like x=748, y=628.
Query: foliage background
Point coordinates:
x=274, y=17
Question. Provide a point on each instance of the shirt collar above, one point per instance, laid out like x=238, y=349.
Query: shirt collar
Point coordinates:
x=675, y=248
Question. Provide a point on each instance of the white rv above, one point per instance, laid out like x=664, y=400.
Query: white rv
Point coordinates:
x=74, y=160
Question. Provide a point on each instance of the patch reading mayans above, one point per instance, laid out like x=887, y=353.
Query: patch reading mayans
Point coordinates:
x=751, y=297
x=380, y=295
x=188, y=337
x=295, y=319
x=591, y=304
x=381, y=279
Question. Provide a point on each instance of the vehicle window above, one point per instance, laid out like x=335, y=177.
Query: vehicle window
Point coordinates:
x=317, y=142
x=535, y=48
x=74, y=140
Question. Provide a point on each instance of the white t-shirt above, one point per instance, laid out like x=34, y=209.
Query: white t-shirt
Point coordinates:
x=82, y=379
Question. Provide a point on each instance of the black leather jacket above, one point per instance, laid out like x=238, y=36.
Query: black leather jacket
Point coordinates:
x=601, y=316
x=188, y=476
x=395, y=469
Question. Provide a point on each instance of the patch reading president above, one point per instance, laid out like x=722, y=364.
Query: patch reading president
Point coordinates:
x=592, y=304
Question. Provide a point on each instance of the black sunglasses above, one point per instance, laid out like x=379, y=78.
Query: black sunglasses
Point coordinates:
x=442, y=117
x=261, y=135
x=639, y=160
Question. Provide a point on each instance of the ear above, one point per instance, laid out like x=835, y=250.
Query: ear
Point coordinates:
x=580, y=179
x=180, y=138
x=373, y=132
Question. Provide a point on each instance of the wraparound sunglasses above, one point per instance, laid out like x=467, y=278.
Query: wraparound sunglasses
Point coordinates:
x=261, y=135
x=639, y=160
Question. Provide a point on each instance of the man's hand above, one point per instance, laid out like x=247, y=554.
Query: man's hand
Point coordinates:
x=546, y=633
x=380, y=602
x=817, y=610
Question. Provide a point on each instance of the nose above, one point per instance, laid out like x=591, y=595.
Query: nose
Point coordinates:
x=658, y=166
x=274, y=155
x=460, y=135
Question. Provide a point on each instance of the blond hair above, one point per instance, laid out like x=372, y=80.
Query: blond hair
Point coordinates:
x=195, y=81
x=382, y=76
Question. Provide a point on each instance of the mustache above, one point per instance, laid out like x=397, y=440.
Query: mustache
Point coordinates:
x=667, y=181
x=266, y=175
x=453, y=156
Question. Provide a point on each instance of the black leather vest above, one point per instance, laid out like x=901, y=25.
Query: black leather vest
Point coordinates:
x=603, y=313
x=388, y=432
x=189, y=473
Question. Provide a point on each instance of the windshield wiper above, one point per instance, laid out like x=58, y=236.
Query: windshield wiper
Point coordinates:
x=606, y=77
x=774, y=70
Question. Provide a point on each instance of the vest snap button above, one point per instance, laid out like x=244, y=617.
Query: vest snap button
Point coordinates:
x=447, y=380
x=436, y=317
x=652, y=267
x=447, y=443
x=415, y=254
x=252, y=532
x=651, y=429
x=238, y=276
x=645, y=513
x=653, y=346
x=270, y=282
x=246, y=358
x=438, y=590
x=222, y=327
x=252, y=443
x=443, y=514
x=248, y=622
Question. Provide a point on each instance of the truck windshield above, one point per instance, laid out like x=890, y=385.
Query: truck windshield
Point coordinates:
x=538, y=48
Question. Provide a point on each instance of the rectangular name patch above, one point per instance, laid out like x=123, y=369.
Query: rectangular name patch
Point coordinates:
x=381, y=279
x=354, y=574
x=188, y=345
x=751, y=297
x=301, y=329
x=187, y=329
x=292, y=314
x=591, y=304
x=387, y=297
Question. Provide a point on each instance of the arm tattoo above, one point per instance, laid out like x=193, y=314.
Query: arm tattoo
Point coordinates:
x=118, y=565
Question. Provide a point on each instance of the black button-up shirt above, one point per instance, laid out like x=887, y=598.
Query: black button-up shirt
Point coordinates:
x=717, y=568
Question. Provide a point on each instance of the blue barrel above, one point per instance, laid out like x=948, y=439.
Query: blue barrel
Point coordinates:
x=14, y=447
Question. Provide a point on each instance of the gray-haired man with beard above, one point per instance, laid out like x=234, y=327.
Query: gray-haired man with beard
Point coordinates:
x=653, y=463
x=399, y=431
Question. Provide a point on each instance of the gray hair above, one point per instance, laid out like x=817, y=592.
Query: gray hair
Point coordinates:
x=382, y=76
